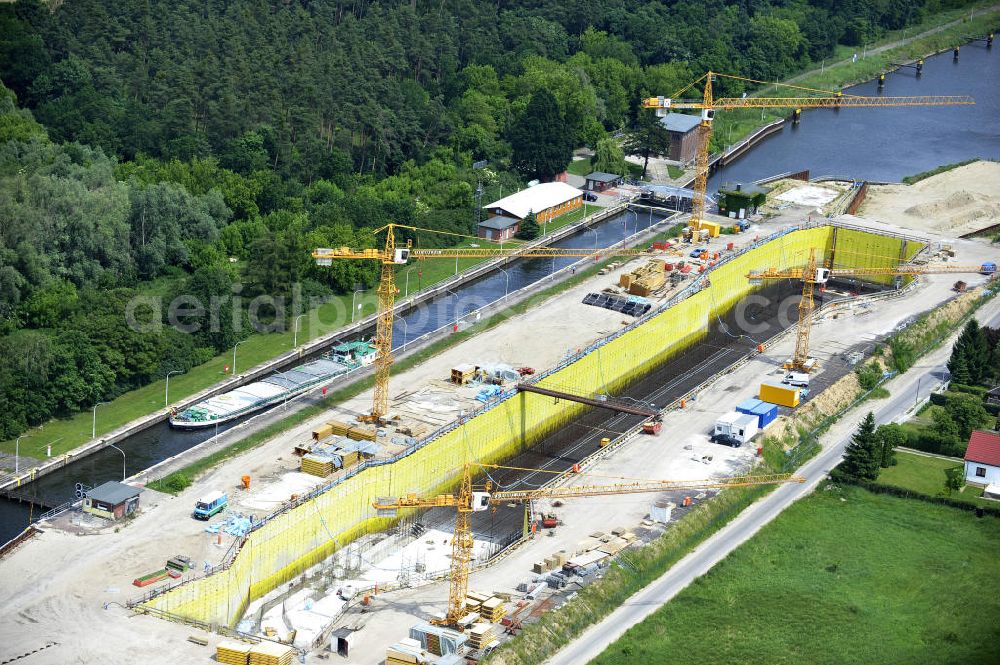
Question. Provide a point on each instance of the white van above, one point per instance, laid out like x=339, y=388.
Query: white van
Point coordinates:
x=796, y=379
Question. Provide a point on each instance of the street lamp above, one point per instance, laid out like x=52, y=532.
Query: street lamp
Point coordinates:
x=295, y=330
x=17, y=452
x=506, y=288
x=406, y=332
x=456, y=304
x=93, y=428
x=406, y=289
x=234, y=354
x=166, y=388
x=111, y=445
x=353, y=300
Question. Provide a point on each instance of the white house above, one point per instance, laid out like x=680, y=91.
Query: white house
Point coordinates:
x=982, y=459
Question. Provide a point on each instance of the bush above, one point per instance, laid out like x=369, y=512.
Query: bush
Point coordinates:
x=175, y=483
x=979, y=391
x=869, y=375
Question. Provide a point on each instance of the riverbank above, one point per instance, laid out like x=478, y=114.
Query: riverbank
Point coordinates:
x=139, y=414
x=941, y=33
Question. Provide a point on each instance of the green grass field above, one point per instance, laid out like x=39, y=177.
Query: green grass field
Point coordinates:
x=927, y=475
x=842, y=576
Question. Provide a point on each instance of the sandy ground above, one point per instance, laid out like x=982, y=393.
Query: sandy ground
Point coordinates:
x=959, y=201
x=74, y=599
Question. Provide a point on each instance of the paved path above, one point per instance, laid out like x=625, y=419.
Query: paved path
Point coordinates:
x=898, y=42
x=905, y=391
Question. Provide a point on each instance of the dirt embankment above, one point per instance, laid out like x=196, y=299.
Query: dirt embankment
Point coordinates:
x=846, y=389
x=955, y=202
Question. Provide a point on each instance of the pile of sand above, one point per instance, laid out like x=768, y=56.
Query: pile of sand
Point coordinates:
x=955, y=202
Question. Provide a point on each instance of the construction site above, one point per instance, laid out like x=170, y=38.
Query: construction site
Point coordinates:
x=429, y=518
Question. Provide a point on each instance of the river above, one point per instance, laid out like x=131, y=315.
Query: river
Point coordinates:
x=883, y=144
x=889, y=143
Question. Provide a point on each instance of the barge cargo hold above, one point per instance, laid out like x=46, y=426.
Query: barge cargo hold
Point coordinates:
x=274, y=389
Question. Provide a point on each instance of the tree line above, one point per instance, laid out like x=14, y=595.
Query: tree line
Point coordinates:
x=184, y=147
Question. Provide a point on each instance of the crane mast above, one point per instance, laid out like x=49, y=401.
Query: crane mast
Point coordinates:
x=814, y=273
x=468, y=501
x=709, y=104
x=392, y=255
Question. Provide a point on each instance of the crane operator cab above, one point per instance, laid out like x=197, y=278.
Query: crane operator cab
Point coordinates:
x=822, y=275
x=480, y=501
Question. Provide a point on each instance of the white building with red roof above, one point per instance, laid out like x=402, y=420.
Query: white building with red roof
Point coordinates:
x=982, y=459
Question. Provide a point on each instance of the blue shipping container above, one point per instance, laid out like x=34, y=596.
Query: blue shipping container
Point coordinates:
x=765, y=411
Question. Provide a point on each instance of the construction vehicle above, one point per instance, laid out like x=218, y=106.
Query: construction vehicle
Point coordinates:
x=478, y=499
x=814, y=273
x=709, y=104
x=652, y=426
x=392, y=256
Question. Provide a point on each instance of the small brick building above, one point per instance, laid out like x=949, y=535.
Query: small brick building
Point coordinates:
x=683, y=130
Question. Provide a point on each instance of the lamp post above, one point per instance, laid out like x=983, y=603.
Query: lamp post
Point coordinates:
x=234, y=354
x=506, y=288
x=17, y=452
x=93, y=427
x=353, y=300
x=406, y=289
x=166, y=388
x=456, y=306
x=111, y=445
x=406, y=332
x=295, y=330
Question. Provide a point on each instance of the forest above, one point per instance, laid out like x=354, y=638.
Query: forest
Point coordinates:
x=204, y=148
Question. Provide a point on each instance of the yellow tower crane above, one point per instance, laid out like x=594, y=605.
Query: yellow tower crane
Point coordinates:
x=818, y=99
x=471, y=500
x=391, y=256
x=816, y=272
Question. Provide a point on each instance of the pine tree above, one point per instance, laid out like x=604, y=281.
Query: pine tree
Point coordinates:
x=528, y=228
x=542, y=146
x=960, y=371
x=863, y=455
x=972, y=351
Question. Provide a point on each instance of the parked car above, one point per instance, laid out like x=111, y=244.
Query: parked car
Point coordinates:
x=589, y=196
x=726, y=440
x=696, y=252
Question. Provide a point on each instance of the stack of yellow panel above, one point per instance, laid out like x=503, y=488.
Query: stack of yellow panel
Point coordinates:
x=474, y=600
x=338, y=428
x=493, y=610
x=405, y=652
x=317, y=465
x=322, y=432
x=361, y=433
x=269, y=653
x=481, y=635
x=232, y=653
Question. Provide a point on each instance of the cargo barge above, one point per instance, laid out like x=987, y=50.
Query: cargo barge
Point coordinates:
x=276, y=388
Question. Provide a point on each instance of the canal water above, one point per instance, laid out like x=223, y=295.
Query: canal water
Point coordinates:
x=160, y=442
x=877, y=144
x=889, y=143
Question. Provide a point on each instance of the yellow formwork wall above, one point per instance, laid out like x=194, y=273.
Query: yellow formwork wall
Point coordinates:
x=292, y=542
x=857, y=249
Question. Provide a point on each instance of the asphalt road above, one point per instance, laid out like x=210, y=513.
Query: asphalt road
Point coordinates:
x=906, y=391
